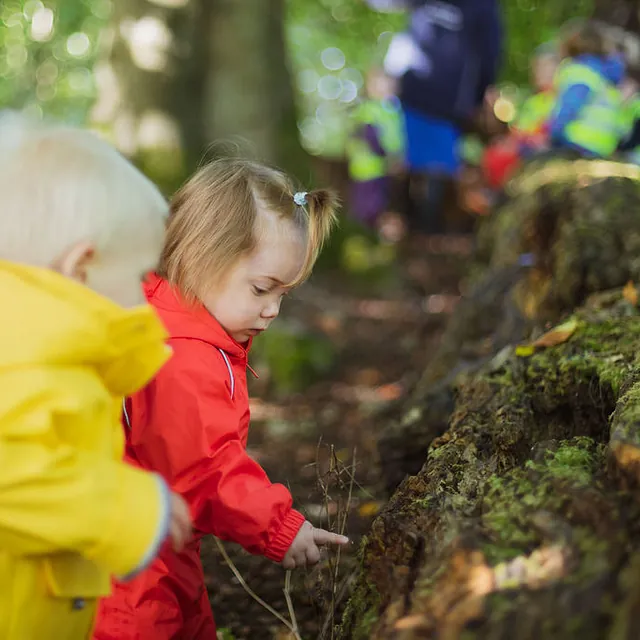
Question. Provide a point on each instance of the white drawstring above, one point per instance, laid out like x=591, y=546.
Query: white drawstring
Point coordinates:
x=126, y=414
x=231, y=378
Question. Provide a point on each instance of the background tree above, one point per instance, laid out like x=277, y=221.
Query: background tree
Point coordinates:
x=151, y=81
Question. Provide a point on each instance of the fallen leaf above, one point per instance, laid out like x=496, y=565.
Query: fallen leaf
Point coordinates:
x=630, y=293
x=557, y=335
x=390, y=392
x=369, y=509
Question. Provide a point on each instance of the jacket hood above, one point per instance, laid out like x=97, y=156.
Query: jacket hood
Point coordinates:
x=51, y=320
x=191, y=321
x=612, y=67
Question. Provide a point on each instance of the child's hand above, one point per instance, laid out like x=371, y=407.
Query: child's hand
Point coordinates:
x=180, y=523
x=304, y=548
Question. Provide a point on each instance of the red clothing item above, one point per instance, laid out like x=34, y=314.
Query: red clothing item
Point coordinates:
x=191, y=424
x=499, y=162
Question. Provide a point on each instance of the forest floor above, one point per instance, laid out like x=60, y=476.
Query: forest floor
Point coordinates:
x=322, y=443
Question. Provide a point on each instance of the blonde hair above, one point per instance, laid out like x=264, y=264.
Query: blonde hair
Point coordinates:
x=60, y=186
x=214, y=217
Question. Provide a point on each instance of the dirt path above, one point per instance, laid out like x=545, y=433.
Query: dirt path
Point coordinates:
x=308, y=440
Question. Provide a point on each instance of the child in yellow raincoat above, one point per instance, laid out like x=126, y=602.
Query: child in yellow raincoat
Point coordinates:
x=74, y=213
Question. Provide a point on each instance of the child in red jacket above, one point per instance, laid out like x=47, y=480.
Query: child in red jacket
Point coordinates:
x=239, y=238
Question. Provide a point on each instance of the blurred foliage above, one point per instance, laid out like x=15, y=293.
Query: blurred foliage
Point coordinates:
x=293, y=357
x=47, y=50
x=48, y=47
x=530, y=23
x=333, y=43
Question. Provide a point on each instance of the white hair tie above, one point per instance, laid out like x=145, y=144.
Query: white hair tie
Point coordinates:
x=300, y=198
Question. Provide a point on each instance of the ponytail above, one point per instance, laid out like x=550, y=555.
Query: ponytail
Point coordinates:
x=318, y=213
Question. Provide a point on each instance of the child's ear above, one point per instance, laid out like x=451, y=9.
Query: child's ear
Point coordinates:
x=74, y=261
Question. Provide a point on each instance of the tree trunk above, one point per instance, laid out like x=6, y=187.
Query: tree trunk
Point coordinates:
x=151, y=85
x=521, y=524
x=576, y=230
x=249, y=91
x=175, y=77
x=523, y=513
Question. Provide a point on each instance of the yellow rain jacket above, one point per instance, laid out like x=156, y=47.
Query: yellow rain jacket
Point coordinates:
x=71, y=513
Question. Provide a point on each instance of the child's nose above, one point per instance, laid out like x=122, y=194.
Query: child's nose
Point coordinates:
x=272, y=310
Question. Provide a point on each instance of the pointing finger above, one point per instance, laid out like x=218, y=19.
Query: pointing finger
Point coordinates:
x=320, y=536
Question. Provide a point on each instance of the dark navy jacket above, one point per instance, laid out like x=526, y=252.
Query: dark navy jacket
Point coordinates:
x=461, y=44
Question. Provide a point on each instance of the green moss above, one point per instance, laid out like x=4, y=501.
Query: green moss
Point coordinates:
x=625, y=420
x=511, y=499
x=361, y=613
x=603, y=352
x=576, y=461
x=426, y=502
x=362, y=610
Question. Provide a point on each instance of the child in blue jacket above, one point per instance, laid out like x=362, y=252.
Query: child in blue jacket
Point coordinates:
x=589, y=116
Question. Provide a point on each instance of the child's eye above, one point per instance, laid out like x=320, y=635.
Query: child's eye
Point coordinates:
x=259, y=291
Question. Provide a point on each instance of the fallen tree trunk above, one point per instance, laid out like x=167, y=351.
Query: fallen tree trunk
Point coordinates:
x=567, y=230
x=524, y=521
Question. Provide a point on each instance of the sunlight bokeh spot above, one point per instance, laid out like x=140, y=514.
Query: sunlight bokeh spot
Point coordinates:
x=333, y=58
x=78, y=44
x=42, y=24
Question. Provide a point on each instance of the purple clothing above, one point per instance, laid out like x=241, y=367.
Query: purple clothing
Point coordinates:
x=369, y=133
x=369, y=199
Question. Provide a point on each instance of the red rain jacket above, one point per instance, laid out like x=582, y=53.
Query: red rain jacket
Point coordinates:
x=190, y=424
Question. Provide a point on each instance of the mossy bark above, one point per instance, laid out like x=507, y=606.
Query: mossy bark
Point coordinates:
x=524, y=520
x=566, y=230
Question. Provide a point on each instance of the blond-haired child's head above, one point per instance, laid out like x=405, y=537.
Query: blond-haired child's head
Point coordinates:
x=240, y=237
x=71, y=202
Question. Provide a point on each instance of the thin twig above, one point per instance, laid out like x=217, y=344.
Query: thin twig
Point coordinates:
x=338, y=589
x=287, y=597
x=253, y=594
x=346, y=583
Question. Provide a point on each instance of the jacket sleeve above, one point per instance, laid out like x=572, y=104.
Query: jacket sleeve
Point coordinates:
x=570, y=103
x=369, y=133
x=56, y=498
x=184, y=424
